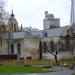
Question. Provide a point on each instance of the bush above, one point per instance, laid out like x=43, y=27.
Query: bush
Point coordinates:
x=0, y=64
x=48, y=66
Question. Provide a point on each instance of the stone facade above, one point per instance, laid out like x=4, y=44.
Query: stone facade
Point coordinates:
x=50, y=22
x=29, y=47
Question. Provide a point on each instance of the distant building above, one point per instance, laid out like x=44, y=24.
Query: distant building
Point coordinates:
x=50, y=22
x=29, y=29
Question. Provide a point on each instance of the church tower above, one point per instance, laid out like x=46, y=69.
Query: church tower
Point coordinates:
x=50, y=21
x=13, y=24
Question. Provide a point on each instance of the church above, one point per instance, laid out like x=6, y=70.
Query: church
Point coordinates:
x=16, y=43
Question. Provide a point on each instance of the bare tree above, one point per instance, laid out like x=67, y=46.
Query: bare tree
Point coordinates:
x=4, y=16
x=55, y=49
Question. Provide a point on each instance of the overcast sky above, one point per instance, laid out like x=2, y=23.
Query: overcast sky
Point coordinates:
x=31, y=12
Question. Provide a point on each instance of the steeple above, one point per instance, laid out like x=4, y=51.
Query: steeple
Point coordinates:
x=13, y=24
x=12, y=14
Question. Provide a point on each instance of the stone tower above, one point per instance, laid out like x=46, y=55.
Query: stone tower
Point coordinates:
x=50, y=21
x=12, y=23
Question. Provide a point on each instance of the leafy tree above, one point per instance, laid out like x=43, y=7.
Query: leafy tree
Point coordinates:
x=55, y=49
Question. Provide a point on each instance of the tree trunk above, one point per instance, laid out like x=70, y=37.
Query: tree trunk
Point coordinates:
x=40, y=50
x=56, y=60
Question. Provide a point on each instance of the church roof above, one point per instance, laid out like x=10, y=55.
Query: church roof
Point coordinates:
x=15, y=35
x=38, y=33
x=55, y=32
x=21, y=35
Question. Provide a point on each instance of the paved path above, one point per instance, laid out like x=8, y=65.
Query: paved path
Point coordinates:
x=64, y=72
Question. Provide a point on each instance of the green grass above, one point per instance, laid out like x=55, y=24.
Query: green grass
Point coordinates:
x=73, y=74
x=20, y=69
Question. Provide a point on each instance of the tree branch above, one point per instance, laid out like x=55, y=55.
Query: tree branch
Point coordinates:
x=51, y=52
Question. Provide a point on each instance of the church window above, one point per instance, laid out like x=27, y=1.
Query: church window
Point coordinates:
x=14, y=27
x=18, y=50
x=11, y=27
x=67, y=42
x=18, y=46
x=0, y=41
x=44, y=47
x=12, y=49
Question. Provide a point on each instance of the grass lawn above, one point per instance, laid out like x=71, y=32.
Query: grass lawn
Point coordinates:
x=20, y=69
x=73, y=74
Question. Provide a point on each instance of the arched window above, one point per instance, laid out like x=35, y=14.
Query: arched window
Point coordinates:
x=44, y=47
x=14, y=27
x=67, y=42
x=11, y=27
x=18, y=50
x=12, y=49
x=52, y=46
x=19, y=47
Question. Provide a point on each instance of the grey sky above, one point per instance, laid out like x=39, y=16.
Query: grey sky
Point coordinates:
x=31, y=12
